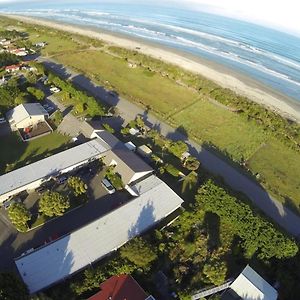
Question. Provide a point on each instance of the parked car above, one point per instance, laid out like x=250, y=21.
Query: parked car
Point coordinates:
x=108, y=186
x=2, y=120
x=54, y=89
x=62, y=179
x=8, y=203
x=41, y=189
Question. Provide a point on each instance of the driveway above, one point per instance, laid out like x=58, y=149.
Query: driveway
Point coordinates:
x=233, y=176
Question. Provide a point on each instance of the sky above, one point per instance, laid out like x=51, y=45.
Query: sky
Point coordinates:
x=279, y=14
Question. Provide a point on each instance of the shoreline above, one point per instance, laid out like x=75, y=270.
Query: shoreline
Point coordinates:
x=222, y=75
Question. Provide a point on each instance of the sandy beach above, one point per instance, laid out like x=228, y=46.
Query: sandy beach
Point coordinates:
x=225, y=77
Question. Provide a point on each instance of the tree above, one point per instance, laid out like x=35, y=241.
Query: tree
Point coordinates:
x=215, y=270
x=191, y=163
x=140, y=123
x=77, y=185
x=139, y=252
x=178, y=148
x=11, y=288
x=19, y=216
x=79, y=108
x=36, y=93
x=108, y=128
x=31, y=78
x=21, y=98
x=53, y=204
x=189, y=181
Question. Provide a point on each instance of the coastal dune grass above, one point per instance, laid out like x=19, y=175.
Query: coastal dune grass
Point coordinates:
x=279, y=168
x=202, y=120
x=143, y=86
x=209, y=123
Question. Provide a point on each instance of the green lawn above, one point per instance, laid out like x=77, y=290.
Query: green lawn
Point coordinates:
x=14, y=153
x=279, y=168
x=57, y=42
x=164, y=96
x=225, y=129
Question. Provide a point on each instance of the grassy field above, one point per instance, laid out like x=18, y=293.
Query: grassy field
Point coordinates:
x=148, y=88
x=204, y=121
x=279, y=168
x=225, y=129
x=14, y=153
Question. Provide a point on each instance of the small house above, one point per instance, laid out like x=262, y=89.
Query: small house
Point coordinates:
x=26, y=115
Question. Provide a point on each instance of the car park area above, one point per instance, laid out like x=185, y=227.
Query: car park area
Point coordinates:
x=13, y=243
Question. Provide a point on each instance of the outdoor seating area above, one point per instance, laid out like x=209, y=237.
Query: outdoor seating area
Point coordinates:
x=35, y=131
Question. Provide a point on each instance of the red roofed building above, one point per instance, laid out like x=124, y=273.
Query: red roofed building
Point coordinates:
x=121, y=287
x=12, y=68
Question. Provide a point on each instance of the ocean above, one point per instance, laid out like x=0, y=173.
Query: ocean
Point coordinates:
x=264, y=54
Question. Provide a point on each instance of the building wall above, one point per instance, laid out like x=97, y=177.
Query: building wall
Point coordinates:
x=37, y=183
x=139, y=175
x=28, y=187
x=30, y=121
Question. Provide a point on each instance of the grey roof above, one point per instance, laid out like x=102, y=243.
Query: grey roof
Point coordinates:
x=249, y=285
x=71, y=253
x=109, y=138
x=128, y=163
x=50, y=165
x=23, y=111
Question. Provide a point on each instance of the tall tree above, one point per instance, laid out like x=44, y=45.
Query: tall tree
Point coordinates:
x=139, y=252
x=19, y=216
x=77, y=185
x=53, y=204
x=12, y=288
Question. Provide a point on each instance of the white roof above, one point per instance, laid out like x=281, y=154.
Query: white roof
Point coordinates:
x=50, y=165
x=249, y=285
x=23, y=111
x=71, y=253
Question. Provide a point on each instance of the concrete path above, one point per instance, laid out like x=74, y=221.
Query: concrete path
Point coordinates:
x=213, y=163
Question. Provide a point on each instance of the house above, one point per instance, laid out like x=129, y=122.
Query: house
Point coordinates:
x=26, y=115
x=5, y=42
x=249, y=285
x=12, y=68
x=120, y=287
x=33, y=175
x=19, y=52
x=127, y=164
x=71, y=253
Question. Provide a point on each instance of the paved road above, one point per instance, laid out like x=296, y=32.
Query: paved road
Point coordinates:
x=232, y=176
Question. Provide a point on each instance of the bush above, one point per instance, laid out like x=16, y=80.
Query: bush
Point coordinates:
x=259, y=235
x=114, y=178
x=36, y=93
x=172, y=170
x=108, y=128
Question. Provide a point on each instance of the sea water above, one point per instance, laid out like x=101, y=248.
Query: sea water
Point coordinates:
x=269, y=56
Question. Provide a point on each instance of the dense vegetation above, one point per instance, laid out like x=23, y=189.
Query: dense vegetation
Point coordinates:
x=7, y=59
x=260, y=236
x=12, y=288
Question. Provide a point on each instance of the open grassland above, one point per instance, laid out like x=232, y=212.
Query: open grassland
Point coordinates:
x=14, y=153
x=202, y=120
x=280, y=171
x=160, y=94
x=209, y=123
